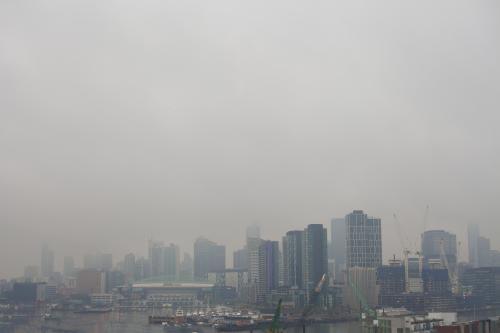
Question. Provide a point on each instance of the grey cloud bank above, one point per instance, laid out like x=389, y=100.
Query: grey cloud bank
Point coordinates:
x=122, y=121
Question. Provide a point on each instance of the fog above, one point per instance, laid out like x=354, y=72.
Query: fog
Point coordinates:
x=122, y=121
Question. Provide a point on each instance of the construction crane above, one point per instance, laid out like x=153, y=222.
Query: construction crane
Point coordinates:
x=451, y=273
x=397, y=224
x=312, y=301
x=362, y=301
x=314, y=297
x=275, y=324
x=426, y=217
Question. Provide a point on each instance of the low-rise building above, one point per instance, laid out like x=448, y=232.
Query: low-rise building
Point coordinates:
x=102, y=299
x=401, y=320
x=184, y=295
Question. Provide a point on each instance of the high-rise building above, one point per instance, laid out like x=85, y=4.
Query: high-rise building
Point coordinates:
x=170, y=261
x=89, y=261
x=338, y=245
x=253, y=241
x=155, y=252
x=186, y=268
x=208, y=257
x=495, y=258
x=47, y=261
x=91, y=281
x=472, y=240
x=314, y=255
x=142, y=268
x=28, y=292
x=253, y=231
x=436, y=281
x=391, y=281
x=484, y=285
x=31, y=273
x=129, y=268
x=269, y=267
x=240, y=259
x=292, y=258
x=69, y=266
x=104, y=261
x=484, y=252
x=253, y=246
x=361, y=281
x=114, y=279
x=363, y=240
x=434, y=241
x=413, y=274
x=99, y=261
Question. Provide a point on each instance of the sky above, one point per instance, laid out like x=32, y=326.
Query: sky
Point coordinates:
x=123, y=121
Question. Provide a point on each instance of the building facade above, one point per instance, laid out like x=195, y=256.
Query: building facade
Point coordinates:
x=338, y=247
x=170, y=262
x=314, y=255
x=240, y=259
x=472, y=242
x=69, y=266
x=208, y=257
x=47, y=262
x=292, y=259
x=363, y=240
x=484, y=252
x=434, y=241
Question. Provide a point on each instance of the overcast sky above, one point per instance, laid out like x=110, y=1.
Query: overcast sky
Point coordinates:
x=127, y=120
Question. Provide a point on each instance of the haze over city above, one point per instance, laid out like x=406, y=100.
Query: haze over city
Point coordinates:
x=121, y=122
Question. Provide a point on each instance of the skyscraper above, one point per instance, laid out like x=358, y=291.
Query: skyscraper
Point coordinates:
x=292, y=258
x=338, y=237
x=484, y=285
x=91, y=281
x=472, y=242
x=170, y=261
x=253, y=231
x=89, y=261
x=253, y=246
x=240, y=259
x=208, y=257
x=155, y=251
x=129, y=268
x=186, y=267
x=104, y=261
x=69, y=266
x=365, y=280
x=47, y=262
x=269, y=266
x=253, y=242
x=413, y=275
x=363, y=240
x=31, y=273
x=391, y=282
x=142, y=268
x=434, y=240
x=484, y=252
x=314, y=255
x=99, y=261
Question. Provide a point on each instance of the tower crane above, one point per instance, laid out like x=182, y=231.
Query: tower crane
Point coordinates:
x=400, y=236
x=451, y=273
x=275, y=327
x=312, y=301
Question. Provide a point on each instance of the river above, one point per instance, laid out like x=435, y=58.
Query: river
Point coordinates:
x=135, y=322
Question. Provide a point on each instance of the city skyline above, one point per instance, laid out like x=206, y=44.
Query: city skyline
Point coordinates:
x=93, y=260
x=249, y=166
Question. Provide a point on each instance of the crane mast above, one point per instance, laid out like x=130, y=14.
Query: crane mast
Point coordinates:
x=451, y=274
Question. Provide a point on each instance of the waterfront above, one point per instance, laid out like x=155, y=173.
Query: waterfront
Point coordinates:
x=135, y=322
